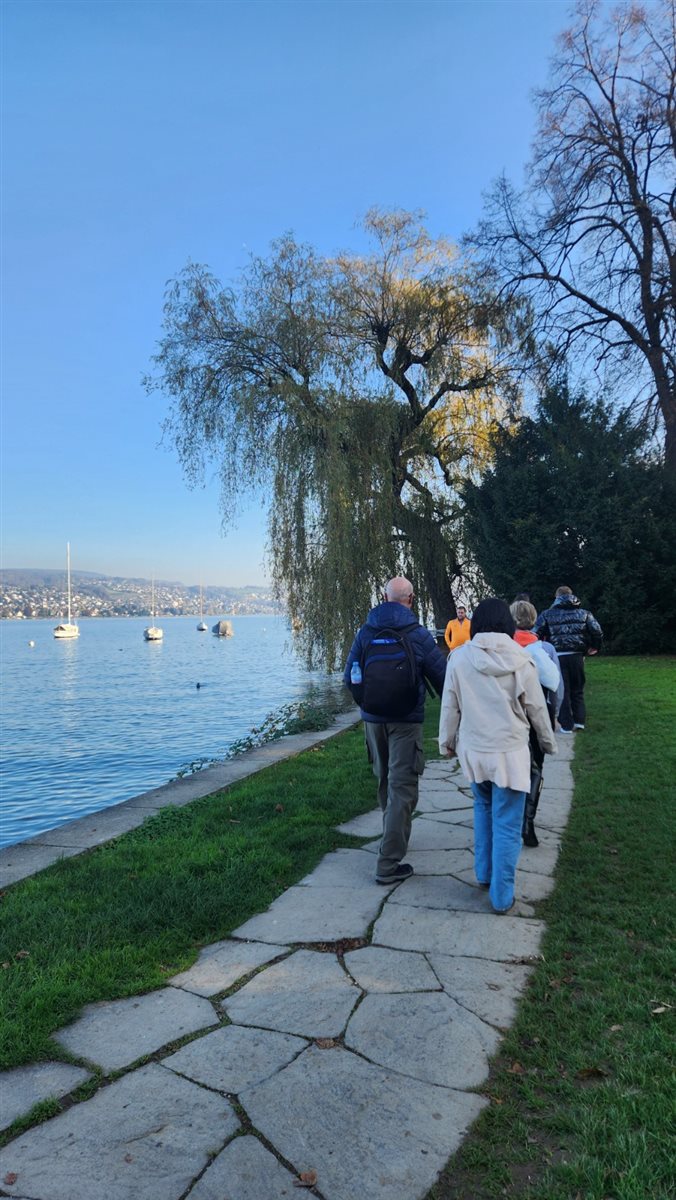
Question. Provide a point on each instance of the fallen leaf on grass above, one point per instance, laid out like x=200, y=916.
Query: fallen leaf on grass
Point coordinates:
x=592, y=1073
x=6, y=965
x=515, y=1069
x=279, y=808
x=10, y=1178
x=306, y=1179
x=22, y=954
x=661, y=1008
x=615, y=1028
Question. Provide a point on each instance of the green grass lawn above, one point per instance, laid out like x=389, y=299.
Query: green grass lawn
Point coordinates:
x=123, y=918
x=582, y=1097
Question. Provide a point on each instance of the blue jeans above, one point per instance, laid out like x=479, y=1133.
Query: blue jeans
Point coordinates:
x=498, y=818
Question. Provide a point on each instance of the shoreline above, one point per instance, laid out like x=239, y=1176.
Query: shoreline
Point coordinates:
x=23, y=859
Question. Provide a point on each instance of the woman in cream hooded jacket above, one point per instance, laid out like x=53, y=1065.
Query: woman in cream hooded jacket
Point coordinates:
x=491, y=697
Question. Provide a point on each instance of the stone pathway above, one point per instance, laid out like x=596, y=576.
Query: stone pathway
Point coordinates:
x=340, y=1039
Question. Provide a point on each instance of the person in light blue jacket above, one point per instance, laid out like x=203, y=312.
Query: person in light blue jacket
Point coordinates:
x=549, y=673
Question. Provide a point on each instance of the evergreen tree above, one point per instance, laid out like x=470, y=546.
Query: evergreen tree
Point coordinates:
x=574, y=497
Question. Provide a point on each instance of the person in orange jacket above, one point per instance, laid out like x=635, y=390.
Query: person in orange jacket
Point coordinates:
x=457, y=631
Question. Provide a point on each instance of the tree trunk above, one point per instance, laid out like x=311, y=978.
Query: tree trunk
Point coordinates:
x=666, y=397
x=434, y=560
x=670, y=450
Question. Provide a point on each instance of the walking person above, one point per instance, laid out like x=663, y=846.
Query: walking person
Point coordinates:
x=457, y=630
x=573, y=632
x=491, y=698
x=391, y=658
x=551, y=681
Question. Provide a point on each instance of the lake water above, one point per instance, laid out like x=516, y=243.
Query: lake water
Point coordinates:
x=93, y=721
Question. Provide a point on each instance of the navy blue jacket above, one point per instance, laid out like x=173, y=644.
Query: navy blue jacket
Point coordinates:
x=568, y=627
x=430, y=660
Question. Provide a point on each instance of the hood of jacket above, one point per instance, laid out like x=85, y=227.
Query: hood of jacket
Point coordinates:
x=391, y=615
x=566, y=602
x=496, y=654
x=524, y=637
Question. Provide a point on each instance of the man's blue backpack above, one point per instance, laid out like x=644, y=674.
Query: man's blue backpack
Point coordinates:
x=390, y=676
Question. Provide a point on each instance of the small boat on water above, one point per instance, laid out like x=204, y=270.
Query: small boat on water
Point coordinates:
x=153, y=633
x=202, y=627
x=223, y=629
x=67, y=629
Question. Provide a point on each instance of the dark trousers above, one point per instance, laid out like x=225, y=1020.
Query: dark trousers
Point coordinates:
x=396, y=754
x=572, y=711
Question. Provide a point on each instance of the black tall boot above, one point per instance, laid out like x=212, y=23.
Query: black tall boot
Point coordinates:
x=532, y=799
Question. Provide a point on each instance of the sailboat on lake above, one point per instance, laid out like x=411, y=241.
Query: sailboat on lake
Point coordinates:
x=202, y=627
x=67, y=629
x=153, y=633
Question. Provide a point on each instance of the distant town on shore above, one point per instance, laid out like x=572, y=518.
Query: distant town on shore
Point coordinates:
x=32, y=593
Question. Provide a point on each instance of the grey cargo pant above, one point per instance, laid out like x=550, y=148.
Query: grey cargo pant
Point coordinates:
x=396, y=753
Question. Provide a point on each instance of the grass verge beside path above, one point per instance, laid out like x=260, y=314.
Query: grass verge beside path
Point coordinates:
x=125, y=917
x=582, y=1097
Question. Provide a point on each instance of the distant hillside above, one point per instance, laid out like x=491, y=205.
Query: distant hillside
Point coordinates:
x=46, y=577
x=29, y=592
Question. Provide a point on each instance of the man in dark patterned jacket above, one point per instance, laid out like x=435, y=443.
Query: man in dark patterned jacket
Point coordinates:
x=573, y=632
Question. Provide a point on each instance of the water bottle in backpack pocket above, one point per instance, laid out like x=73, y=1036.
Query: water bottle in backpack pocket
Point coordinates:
x=390, y=676
x=356, y=681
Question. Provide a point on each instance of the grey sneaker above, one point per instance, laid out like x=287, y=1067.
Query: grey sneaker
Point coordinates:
x=402, y=871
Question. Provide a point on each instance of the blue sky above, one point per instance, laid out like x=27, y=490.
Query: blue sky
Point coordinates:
x=138, y=135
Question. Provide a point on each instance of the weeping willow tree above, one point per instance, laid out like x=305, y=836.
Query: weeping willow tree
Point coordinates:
x=354, y=394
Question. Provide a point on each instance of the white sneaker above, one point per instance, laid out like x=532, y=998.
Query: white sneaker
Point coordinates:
x=564, y=731
x=578, y=726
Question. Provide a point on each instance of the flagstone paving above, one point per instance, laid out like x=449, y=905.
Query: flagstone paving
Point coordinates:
x=25, y=1086
x=346, y=1032
x=375, y=969
x=147, y=1135
x=223, y=964
x=489, y=989
x=425, y=1035
x=245, y=1170
x=329, y=913
x=365, y=1130
x=471, y=934
x=147, y=1023
x=308, y=994
x=233, y=1057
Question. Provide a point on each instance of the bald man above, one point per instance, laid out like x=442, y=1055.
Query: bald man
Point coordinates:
x=392, y=640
